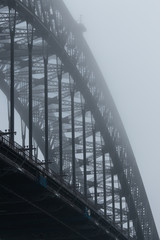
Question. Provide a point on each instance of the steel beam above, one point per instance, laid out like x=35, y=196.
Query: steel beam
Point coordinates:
x=104, y=181
x=12, y=24
x=95, y=163
x=113, y=197
x=84, y=150
x=59, y=75
x=30, y=47
x=46, y=105
x=73, y=134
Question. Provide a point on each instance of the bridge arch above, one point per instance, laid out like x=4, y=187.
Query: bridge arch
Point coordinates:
x=86, y=142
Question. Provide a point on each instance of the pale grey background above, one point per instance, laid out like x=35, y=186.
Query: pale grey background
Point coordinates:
x=124, y=36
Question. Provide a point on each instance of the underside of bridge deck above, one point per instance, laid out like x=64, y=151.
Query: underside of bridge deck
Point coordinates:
x=86, y=184
x=33, y=208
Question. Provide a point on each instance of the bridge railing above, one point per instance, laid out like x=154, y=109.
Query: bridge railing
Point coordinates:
x=95, y=214
x=89, y=73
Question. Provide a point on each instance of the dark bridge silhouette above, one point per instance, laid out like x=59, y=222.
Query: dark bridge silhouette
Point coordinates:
x=88, y=185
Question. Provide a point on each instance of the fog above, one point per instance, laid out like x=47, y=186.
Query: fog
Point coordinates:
x=124, y=37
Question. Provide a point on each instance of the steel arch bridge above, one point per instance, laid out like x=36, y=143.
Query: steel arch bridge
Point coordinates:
x=51, y=79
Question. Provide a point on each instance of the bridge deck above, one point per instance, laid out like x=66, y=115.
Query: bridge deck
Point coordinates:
x=35, y=205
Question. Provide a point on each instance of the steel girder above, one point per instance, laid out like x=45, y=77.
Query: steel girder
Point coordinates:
x=70, y=111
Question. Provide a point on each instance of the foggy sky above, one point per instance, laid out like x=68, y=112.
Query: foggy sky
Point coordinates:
x=124, y=37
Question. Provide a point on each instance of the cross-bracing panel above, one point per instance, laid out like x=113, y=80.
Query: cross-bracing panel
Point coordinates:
x=68, y=113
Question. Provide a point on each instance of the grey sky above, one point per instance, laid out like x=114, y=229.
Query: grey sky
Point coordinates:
x=124, y=36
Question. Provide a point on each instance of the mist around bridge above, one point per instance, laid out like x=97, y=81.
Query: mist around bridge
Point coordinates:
x=124, y=37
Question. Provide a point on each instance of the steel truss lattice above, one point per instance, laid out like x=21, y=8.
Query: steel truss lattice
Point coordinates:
x=51, y=78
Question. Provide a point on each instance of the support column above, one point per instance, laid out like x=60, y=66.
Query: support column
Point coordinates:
x=113, y=198
x=121, y=212
x=84, y=145
x=45, y=58
x=128, y=226
x=128, y=219
x=30, y=46
x=12, y=23
x=23, y=132
x=59, y=75
x=104, y=181
x=73, y=134
x=95, y=165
